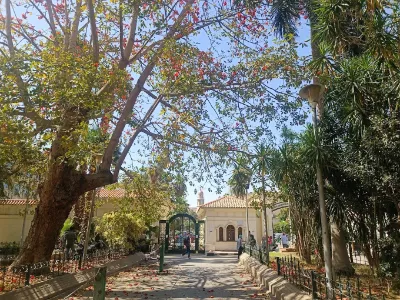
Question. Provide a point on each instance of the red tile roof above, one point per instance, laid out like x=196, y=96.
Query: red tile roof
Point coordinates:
x=103, y=193
x=116, y=193
x=17, y=202
x=227, y=201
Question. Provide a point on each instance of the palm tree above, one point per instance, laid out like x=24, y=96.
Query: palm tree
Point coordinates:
x=239, y=184
x=261, y=166
x=296, y=184
x=328, y=157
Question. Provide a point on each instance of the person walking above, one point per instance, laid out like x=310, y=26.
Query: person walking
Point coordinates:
x=69, y=242
x=252, y=241
x=264, y=243
x=239, y=246
x=285, y=243
x=186, y=243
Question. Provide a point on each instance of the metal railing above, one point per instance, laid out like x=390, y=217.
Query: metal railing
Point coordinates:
x=315, y=283
x=257, y=252
x=17, y=277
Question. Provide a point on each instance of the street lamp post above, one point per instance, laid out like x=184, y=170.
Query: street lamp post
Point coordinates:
x=247, y=214
x=313, y=93
x=98, y=160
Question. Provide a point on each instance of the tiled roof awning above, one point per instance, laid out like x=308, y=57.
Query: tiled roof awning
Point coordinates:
x=117, y=193
x=103, y=193
x=227, y=201
x=18, y=202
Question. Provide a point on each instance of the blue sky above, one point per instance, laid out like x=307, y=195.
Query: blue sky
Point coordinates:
x=303, y=36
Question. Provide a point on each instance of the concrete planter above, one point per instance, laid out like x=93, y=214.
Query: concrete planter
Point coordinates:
x=68, y=282
x=268, y=278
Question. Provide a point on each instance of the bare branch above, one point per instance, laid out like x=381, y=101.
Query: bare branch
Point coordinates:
x=43, y=15
x=151, y=94
x=144, y=51
x=58, y=19
x=132, y=32
x=67, y=26
x=127, y=172
x=95, y=38
x=8, y=28
x=51, y=18
x=121, y=31
x=27, y=37
x=174, y=109
x=75, y=25
x=2, y=52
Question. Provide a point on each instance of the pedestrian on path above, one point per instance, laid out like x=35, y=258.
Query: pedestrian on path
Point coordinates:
x=239, y=246
x=186, y=243
x=285, y=243
x=252, y=241
x=69, y=239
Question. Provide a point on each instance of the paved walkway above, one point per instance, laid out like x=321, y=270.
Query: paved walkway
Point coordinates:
x=201, y=277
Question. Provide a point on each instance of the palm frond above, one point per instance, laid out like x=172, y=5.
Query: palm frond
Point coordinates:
x=285, y=14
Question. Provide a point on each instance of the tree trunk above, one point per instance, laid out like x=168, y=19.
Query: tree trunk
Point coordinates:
x=368, y=255
x=59, y=192
x=265, y=217
x=340, y=258
x=304, y=249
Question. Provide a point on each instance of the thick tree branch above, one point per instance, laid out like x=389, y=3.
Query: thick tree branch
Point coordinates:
x=75, y=25
x=51, y=19
x=8, y=28
x=99, y=179
x=132, y=139
x=132, y=33
x=95, y=36
x=121, y=31
x=67, y=26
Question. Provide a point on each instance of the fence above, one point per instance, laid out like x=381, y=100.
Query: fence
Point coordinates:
x=259, y=253
x=315, y=283
x=17, y=277
x=356, y=255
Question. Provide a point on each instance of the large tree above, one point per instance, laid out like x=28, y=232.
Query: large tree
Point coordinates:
x=135, y=70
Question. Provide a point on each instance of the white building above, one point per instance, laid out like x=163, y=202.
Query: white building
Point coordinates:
x=225, y=220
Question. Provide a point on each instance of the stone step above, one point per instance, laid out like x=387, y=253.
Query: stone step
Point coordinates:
x=214, y=253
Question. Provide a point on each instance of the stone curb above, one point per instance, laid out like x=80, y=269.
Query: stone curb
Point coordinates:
x=276, y=285
x=68, y=282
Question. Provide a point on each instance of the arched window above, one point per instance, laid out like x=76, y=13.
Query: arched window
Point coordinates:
x=230, y=233
x=240, y=232
x=220, y=234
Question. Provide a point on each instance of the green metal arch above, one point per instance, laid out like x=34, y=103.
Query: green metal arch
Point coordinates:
x=197, y=224
x=182, y=215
